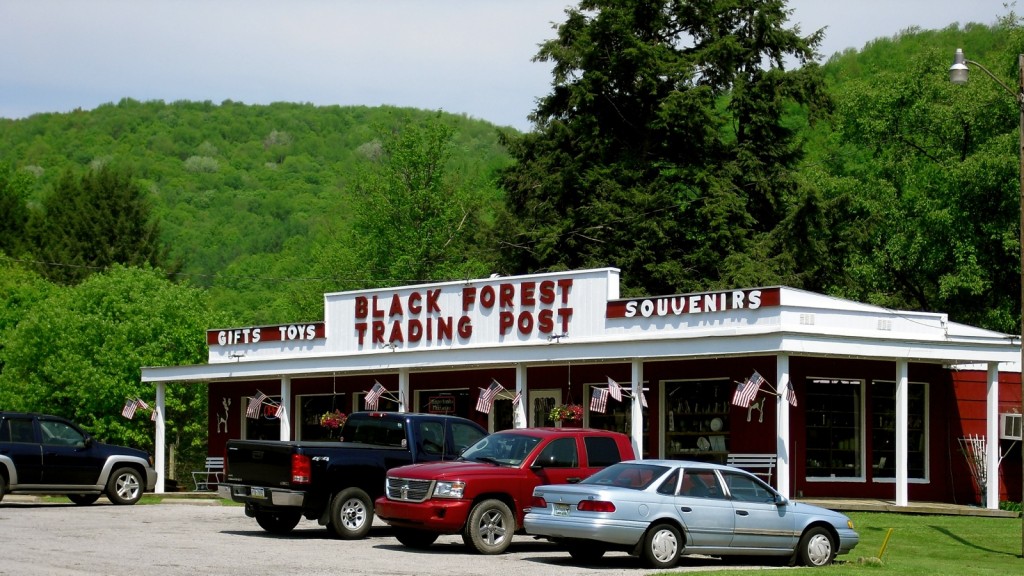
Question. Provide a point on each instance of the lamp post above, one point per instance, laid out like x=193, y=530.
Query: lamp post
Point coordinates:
x=958, y=75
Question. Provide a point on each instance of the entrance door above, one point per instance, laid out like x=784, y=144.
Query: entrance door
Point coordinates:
x=539, y=409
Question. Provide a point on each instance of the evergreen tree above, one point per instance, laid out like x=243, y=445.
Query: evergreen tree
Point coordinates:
x=90, y=222
x=664, y=147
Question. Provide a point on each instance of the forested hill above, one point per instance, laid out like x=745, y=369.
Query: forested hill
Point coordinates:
x=241, y=192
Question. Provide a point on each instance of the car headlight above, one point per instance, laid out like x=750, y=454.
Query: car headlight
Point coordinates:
x=449, y=489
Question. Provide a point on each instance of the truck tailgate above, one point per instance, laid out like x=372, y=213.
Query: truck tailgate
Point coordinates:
x=259, y=463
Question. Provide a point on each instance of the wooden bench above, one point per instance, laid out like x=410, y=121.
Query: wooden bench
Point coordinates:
x=211, y=475
x=760, y=464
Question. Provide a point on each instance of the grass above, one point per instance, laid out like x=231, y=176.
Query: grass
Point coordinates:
x=927, y=546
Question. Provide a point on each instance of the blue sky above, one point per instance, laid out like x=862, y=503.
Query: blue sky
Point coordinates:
x=468, y=57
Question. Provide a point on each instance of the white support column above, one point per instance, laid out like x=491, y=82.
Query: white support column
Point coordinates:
x=519, y=417
x=160, y=441
x=991, y=495
x=403, y=390
x=637, y=418
x=782, y=440
x=902, y=414
x=285, y=420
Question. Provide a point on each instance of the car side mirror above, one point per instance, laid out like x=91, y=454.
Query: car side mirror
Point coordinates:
x=780, y=500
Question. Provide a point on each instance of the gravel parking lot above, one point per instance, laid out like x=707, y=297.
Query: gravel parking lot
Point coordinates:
x=203, y=537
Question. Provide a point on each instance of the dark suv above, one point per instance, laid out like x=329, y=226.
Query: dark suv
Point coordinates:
x=42, y=454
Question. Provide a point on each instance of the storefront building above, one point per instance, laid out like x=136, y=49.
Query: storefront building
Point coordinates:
x=858, y=401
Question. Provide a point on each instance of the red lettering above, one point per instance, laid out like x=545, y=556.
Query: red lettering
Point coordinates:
x=362, y=307
x=444, y=328
x=414, y=303
x=377, y=312
x=415, y=330
x=468, y=297
x=396, y=306
x=546, y=321
x=565, y=315
x=487, y=297
x=465, y=327
x=396, y=333
x=378, y=333
x=527, y=294
x=432, y=298
x=505, y=322
x=564, y=285
x=360, y=331
x=508, y=294
x=547, y=292
x=525, y=322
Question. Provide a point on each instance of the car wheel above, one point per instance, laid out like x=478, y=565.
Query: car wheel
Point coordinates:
x=351, y=514
x=816, y=547
x=490, y=527
x=83, y=499
x=419, y=539
x=124, y=486
x=662, y=546
x=586, y=552
x=278, y=521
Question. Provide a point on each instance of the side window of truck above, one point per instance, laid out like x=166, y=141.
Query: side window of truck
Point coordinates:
x=431, y=435
x=60, y=434
x=601, y=451
x=561, y=453
x=464, y=436
x=17, y=430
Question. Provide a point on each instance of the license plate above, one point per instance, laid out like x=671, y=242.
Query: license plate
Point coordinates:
x=257, y=492
x=561, y=510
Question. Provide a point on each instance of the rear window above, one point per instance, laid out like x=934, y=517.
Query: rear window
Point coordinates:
x=628, y=475
x=376, y=431
x=601, y=451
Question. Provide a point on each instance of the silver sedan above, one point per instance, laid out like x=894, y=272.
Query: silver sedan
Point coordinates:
x=663, y=509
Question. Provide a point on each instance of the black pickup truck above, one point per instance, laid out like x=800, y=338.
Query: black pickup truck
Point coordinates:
x=41, y=454
x=336, y=483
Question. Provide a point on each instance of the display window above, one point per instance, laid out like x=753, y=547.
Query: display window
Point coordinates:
x=266, y=425
x=317, y=416
x=835, y=429
x=696, y=419
x=883, y=429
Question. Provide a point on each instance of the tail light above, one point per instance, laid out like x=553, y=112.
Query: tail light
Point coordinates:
x=595, y=506
x=301, y=465
x=538, y=502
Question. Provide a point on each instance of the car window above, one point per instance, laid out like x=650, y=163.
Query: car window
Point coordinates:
x=701, y=483
x=747, y=488
x=431, y=435
x=376, y=431
x=668, y=485
x=601, y=451
x=60, y=434
x=561, y=453
x=17, y=430
x=628, y=475
x=502, y=448
x=465, y=436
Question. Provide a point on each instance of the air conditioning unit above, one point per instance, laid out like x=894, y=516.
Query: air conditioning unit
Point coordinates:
x=1009, y=426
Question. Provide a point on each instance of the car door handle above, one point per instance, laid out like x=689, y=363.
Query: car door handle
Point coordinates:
x=742, y=513
x=573, y=480
x=686, y=509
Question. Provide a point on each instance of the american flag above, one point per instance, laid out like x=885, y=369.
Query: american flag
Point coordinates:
x=643, y=400
x=614, y=389
x=278, y=410
x=129, y=408
x=517, y=399
x=483, y=404
x=142, y=404
x=152, y=416
x=254, y=405
x=790, y=394
x=745, y=391
x=599, y=401
x=373, y=396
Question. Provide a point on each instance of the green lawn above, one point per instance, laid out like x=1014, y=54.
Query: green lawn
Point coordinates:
x=927, y=546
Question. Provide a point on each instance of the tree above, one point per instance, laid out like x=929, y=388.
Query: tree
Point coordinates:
x=78, y=354
x=14, y=190
x=666, y=147
x=94, y=221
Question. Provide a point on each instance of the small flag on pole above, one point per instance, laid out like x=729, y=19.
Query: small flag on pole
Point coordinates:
x=142, y=403
x=129, y=408
x=745, y=391
x=152, y=416
x=278, y=410
x=643, y=400
x=599, y=400
x=483, y=404
x=790, y=394
x=517, y=399
x=253, y=411
x=614, y=389
x=373, y=396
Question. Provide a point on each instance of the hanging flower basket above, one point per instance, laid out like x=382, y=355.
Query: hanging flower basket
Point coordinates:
x=333, y=420
x=567, y=412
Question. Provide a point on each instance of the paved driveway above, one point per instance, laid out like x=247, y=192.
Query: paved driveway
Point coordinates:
x=209, y=539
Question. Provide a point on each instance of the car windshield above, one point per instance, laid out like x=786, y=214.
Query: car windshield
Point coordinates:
x=628, y=475
x=502, y=448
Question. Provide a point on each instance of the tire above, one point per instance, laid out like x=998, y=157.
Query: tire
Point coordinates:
x=83, y=499
x=663, y=545
x=3, y=487
x=351, y=514
x=586, y=552
x=278, y=521
x=418, y=539
x=125, y=486
x=817, y=547
x=490, y=527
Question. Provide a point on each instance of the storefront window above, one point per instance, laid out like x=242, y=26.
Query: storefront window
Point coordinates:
x=266, y=426
x=883, y=429
x=834, y=428
x=696, y=419
x=311, y=408
x=384, y=404
x=618, y=416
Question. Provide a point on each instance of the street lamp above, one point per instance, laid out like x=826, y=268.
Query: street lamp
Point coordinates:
x=958, y=75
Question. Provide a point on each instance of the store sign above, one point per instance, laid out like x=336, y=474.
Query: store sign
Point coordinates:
x=456, y=312
x=257, y=334
x=441, y=405
x=664, y=306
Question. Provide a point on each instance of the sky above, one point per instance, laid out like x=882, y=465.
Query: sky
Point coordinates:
x=471, y=57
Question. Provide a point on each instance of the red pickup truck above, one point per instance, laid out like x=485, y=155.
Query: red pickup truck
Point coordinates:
x=484, y=494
